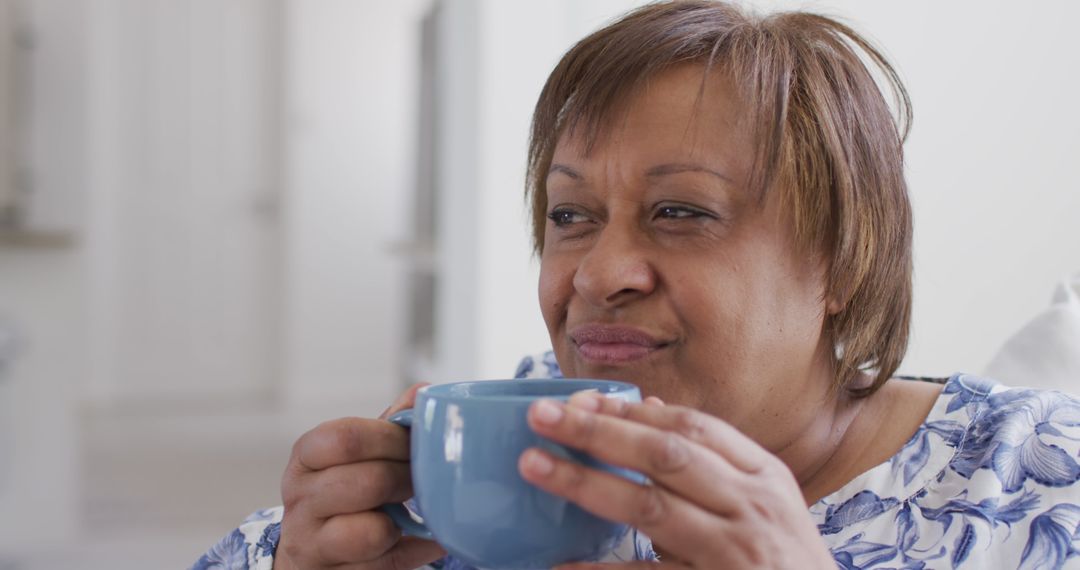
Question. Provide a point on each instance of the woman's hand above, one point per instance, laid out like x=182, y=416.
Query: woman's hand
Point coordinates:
x=338, y=476
x=716, y=498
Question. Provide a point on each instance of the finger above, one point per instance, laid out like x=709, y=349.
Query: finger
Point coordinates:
x=594, y=402
x=669, y=459
x=404, y=401
x=355, y=487
x=356, y=537
x=699, y=427
x=665, y=517
x=350, y=440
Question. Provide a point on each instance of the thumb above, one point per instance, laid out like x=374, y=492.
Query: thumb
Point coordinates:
x=404, y=401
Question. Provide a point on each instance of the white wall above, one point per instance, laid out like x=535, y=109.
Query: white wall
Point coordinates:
x=350, y=105
x=988, y=165
x=494, y=60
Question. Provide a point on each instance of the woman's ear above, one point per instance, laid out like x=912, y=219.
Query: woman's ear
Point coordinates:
x=833, y=304
x=836, y=299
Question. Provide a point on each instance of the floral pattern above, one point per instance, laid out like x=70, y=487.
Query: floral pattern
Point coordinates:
x=990, y=479
x=229, y=554
x=249, y=547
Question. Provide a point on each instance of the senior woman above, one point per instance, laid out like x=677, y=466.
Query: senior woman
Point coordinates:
x=721, y=215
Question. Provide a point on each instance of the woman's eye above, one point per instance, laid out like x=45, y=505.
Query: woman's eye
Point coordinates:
x=678, y=212
x=563, y=218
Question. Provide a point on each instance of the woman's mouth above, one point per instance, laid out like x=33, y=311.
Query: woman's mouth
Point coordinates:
x=613, y=344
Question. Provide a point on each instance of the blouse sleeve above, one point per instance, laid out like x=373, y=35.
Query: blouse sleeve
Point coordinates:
x=250, y=547
x=253, y=544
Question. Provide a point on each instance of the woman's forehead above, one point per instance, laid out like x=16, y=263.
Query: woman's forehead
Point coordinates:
x=680, y=116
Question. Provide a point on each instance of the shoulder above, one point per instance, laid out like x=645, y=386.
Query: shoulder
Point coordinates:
x=1017, y=434
x=996, y=481
x=1015, y=472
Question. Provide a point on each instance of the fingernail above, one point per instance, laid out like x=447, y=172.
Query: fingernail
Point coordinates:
x=538, y=464
x=547, y=412
x=587, y=400
x=654, y=401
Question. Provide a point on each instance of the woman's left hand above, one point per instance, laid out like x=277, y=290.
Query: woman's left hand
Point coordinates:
x=716, y=498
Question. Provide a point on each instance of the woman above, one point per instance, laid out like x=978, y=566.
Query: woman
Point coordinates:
x=722, y=219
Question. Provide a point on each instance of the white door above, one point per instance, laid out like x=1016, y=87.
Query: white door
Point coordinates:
x=184, y=229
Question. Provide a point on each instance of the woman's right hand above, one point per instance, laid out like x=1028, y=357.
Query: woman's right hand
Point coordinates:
x=338, y=476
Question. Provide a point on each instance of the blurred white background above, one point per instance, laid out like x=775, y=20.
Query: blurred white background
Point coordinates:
x=223, y=222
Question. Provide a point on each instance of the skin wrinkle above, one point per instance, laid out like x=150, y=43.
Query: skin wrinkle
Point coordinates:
x=652, y=507
x=672, y=454
x=833, y=436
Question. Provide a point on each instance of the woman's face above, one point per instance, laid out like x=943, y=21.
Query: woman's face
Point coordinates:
x=660, y=266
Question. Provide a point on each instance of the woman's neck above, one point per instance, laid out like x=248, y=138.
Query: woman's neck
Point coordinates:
x=849, y=436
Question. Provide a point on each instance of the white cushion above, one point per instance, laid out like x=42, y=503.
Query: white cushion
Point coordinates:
x=1045, y=353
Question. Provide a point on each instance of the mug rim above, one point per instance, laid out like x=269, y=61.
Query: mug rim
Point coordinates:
x=444, y=391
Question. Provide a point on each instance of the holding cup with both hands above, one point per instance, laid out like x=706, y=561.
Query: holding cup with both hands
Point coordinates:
x=466, y=442
x=495, y=489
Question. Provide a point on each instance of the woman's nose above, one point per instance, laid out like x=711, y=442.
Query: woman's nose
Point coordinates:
x=616, y=270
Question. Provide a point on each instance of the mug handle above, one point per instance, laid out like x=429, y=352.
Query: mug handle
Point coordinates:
x=396, y=511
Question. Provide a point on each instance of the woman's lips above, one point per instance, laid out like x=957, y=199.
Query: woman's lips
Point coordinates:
x=610, y=344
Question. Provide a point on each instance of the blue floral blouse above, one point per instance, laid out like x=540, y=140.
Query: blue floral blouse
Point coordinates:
x=989, y=480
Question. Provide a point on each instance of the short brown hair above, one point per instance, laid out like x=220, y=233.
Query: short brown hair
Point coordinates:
x=825, y=135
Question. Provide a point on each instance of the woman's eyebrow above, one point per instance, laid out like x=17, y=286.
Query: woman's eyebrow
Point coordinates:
x=661, y=170
x=565, y=170
x=678, y=167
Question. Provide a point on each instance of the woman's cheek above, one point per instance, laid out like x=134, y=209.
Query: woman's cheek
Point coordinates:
x=555, y=288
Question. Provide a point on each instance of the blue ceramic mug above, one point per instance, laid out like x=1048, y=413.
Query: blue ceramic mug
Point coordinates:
x=466, y=441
